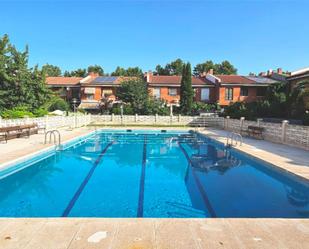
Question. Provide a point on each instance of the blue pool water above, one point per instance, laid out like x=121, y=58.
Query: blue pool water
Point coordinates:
x=150, y=174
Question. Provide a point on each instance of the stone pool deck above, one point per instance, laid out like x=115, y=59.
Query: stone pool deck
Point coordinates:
x=74, y=233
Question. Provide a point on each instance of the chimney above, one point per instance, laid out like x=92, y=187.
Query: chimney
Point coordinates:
x=279, y=70
x=93, y=74
x=148, y=75
x=211, y=71
x=269, y=72
x=203, y=74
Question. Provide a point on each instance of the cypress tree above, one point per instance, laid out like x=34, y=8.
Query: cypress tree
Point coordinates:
x=186, y=90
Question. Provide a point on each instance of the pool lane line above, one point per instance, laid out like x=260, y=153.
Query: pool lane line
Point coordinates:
x=140, y=209
x=85, y=181
x=199, y=184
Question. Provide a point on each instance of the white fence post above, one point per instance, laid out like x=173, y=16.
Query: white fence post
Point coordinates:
x=242, y=120
x=156, y=118
x=283, y=130
x=46, y=122
x=179, y=117
x=226, y=126
x=136, y=117
x=259, y=120
x=112, y=117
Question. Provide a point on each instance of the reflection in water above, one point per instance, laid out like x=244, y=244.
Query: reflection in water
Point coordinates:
x=208, y=158
x=297, y=197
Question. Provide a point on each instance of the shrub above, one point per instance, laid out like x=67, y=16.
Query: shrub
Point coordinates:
x=40, y=112
x=57, y=103
x=199, y=107
x=155, y=106
x=127, y=110
x=17, y=112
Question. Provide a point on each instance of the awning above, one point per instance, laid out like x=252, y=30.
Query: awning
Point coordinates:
x=89, y=105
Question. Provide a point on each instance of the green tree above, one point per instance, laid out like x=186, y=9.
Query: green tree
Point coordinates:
x=96, y=69
x=134, y=71
x=175, y=67
x=135, y=93
x=119, y=72
x=51, y=70
x=172, y=68
x=161, y=71
x=130, y=71
x=203, y=68
x=81, y=72
x=186, y=90
x=20, y=86
x=225, y=67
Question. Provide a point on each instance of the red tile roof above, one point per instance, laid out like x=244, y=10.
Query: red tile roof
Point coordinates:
x=175, y=80
x=63, y=80
x=234, y=79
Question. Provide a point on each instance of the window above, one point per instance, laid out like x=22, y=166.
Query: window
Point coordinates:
x=244, y=91
x=261, y=91
x=228, y=93
x=89, y=96
x=172, y=91
x=205, y=94
x=157, y=92
x=106, y=93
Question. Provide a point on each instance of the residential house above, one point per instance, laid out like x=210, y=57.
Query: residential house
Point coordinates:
x=237, y=88
x=97, y=91
x=167, y=88
x=298, y=76
x=67, y=88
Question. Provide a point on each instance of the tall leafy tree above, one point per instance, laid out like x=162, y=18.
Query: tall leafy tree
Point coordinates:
x=186, y=90
x=172, y=68
x=135, y=93
x=19, y=84
x=203, y=68
x=119, y=71
x=161, y=71
x=96, y=69
x=226, y=68
x=51, y=70
x=130, y=71
x=175, y=67
x=81, y=72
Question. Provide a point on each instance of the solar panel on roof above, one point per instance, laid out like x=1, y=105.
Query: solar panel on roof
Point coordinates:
x=262, y=80
x=105, y=79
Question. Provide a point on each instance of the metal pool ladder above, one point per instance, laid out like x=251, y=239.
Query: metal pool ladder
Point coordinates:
x=54, y=133
x=233, y=139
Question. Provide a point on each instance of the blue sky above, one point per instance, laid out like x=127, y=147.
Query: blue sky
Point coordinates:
x=253, y=35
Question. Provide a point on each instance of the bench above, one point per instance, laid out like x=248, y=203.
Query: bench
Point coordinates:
x=255, y=131
x=10, y=132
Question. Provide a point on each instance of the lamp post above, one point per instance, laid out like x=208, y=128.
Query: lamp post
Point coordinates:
x=171, y=107
x=74, y=101
x=121, y=112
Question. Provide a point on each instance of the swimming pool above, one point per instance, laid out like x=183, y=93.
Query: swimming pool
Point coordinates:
x=149, y=174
